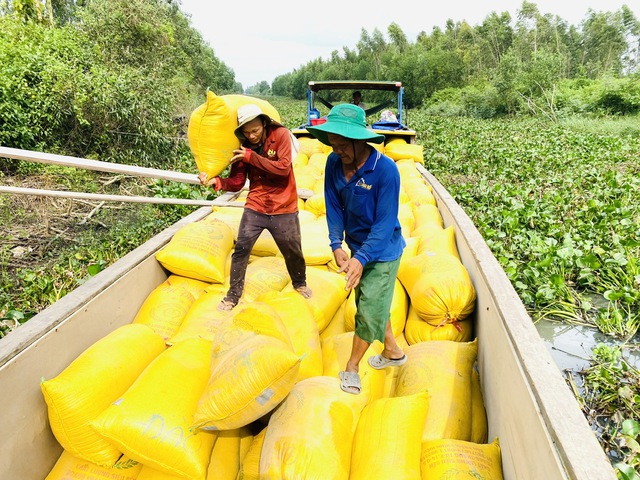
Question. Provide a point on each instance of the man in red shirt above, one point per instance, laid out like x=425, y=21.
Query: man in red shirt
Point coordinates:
x=265, y=158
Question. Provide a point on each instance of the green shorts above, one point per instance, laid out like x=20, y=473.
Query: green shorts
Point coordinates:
x=374, y=294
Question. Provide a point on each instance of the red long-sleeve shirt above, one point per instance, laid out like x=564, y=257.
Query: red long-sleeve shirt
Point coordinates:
x=272, y=185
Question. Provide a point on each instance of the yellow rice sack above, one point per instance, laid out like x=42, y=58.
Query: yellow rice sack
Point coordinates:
x=306, y=216
x=191, y=285
x=316, y=205
x=413, y=268
x=410, y=250
x=407, y=169
x=310, y=435
x=305, y=177
x=151, y=422
x=69, y=467
x=203, y=320
x=148, y=473
x=253, y=367
x=315, y=242
x=390, y=379
x=250, y=465
x=398, y=151
x=401, y=341
x=318, y=161
x=425, y=213
x=444, y=296
x=211, y=127
x=235, y=100
x=164, y=309
x=406, y=219
x=229, y=215
x=265, y=245
x=310, y=145
x=228, y=453
x=417, y=330
x=442, y=369
x=443, y=241
x=265, y=274
x=249, y=319
x=335, y=354
x=198, y=250
x=387, y=443
x=248, y=383
x=336, y=325
x=96, y=378
x=419, y=192
x=425, y=233
x=297, y=317
x=210, y=135
x=439, y=286
x=460, y=460
x=301, y=159
x=328, y=294
x=318, y=187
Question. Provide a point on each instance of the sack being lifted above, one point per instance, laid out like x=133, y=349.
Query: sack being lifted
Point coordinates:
x=211, y=127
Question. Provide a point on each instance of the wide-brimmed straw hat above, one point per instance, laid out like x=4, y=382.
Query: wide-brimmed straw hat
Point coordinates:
x=249, y=112
x=346, y=120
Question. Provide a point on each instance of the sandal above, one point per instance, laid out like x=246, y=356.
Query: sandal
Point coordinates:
x=226, y=304
x=304, y=291
x=380, y=361
x=350, y=382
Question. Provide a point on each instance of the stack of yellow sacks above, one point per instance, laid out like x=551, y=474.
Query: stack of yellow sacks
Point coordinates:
x=190, y=392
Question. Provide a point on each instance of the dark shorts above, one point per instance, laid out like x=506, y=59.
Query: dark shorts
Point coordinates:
x=374, y=295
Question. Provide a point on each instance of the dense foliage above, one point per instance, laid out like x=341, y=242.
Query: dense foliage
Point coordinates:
x=504, y=65
x=558, y=207
x=77, y=87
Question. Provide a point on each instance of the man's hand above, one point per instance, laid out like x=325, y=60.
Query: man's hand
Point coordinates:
x=341, y=257
x=209, y=182
x=238, y=154
x=352, y=268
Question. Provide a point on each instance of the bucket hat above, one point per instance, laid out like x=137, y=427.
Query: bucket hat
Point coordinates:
x=348, y=121
x=249, y=112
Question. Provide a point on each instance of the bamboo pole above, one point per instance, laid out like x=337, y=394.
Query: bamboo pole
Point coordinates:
x=66, y=161
x=104, y=197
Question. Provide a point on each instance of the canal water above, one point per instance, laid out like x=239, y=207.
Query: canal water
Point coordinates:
x=571, y=345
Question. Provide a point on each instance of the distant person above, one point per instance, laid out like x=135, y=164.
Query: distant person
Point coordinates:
x=362, y=195
x=265, y=157
x=357, y=100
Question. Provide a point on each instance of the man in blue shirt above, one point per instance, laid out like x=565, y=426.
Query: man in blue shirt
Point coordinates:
x=362, y=190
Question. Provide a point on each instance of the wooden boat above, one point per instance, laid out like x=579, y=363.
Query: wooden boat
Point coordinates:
x=543, y=434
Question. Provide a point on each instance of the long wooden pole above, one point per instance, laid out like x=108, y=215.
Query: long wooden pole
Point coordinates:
x=103, y=197
x=66, y=161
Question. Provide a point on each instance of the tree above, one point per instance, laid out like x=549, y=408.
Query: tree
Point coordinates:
x=631, y=57
x=398, y=38
x=497, y=32
x=604, y=43
x=370, y=49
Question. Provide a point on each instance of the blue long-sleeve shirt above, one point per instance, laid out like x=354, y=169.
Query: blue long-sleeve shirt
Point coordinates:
x=364, y=210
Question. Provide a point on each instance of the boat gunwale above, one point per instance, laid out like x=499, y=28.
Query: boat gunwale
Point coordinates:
x=51, y=317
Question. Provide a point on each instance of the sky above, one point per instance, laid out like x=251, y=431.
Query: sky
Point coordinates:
x=262, y=39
